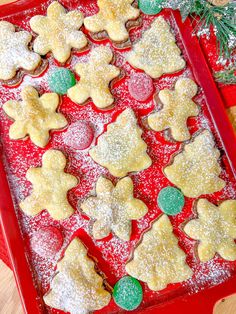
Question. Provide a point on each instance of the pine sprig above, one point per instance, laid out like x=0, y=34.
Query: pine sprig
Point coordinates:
x=227, y=76
x=221, y=18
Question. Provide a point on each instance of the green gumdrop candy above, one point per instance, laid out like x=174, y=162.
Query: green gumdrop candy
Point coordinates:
x=60, y=80
x=171, y=201
x=128, y=293
x=150, y=7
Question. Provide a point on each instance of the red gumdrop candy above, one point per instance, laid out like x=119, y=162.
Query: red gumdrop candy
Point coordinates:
x=47, y=241
x=140, y=86
x=79, y=135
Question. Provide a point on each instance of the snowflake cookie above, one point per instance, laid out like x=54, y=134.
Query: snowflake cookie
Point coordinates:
x=158, y=260
x=121, y=148
x=58, y=32
x=95, y=77
x=156, y=52
x=34, y=116
x=77, y=288
x=215, y=228
x=177, y=108
x=50, y=187
x=195, y=170
x=14, y=51
x=113, y=208
x=112, y=18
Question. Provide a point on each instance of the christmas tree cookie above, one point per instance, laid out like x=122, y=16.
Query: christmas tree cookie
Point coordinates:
x=14, y=51
x=158, y=260
x=121, y=148
x=95, y=77
x=156, y=52
x=215, y=228
x=112, y=17
x=58, y=32
x=113, y=208
x=195, y=170
x=34, y=116
x=50, y=187
x=177, y=108
x=77, y=288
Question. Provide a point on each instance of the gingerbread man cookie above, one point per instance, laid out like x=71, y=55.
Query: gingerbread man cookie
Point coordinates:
x=14, y=51
x=195, y=170
x=156, y=52
x=50, y=187
x=34, y=116
x=58, y=32
x=158, y=260
x=112, y=18
x=215, y=228
x=121, y=148
x=177, y=108
x=113, y=208
x=95, y=77
x=77, y=288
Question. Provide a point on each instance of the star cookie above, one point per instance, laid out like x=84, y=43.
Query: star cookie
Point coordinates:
x=177, y=108
x=113, y=208
x=14, y=51
x=195, y=170
x=158, y=260
x=34, y=116
x=121, y=148
x=50, y=187
x=156, y=52
x=112, y=17
x=76, y=287
x=215, y=229
x=58, y=32
x=95, y=77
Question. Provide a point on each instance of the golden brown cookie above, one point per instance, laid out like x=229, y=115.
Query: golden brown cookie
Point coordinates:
x=215, y=229
x=58, y=32
x=112, y=17
x=158, y=260
x=156, y=52
x=14, y=51
x=195, y=170
x=177, y=108
x=121, y=148
x=114, y=208
x=34, y=116
x=95, y=77
x=231, y=111
x=76, y=287
x=50, y=187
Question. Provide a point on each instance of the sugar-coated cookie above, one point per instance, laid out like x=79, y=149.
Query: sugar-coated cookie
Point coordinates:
x=158, y=260
x=121, y=148
x=215, y=229
x=77, y=288
x=112, y=18
x=156, y=52
x=14, y=51
x=113, y=208
x=58, y=32
x=177, y=107
x=34, y=116
x=195, y=170
x=50, y=186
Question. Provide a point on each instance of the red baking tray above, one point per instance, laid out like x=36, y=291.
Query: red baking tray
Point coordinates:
x=211, y=281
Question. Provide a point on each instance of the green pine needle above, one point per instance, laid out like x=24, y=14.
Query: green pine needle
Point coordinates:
x=221, y=18
x=226, y=76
